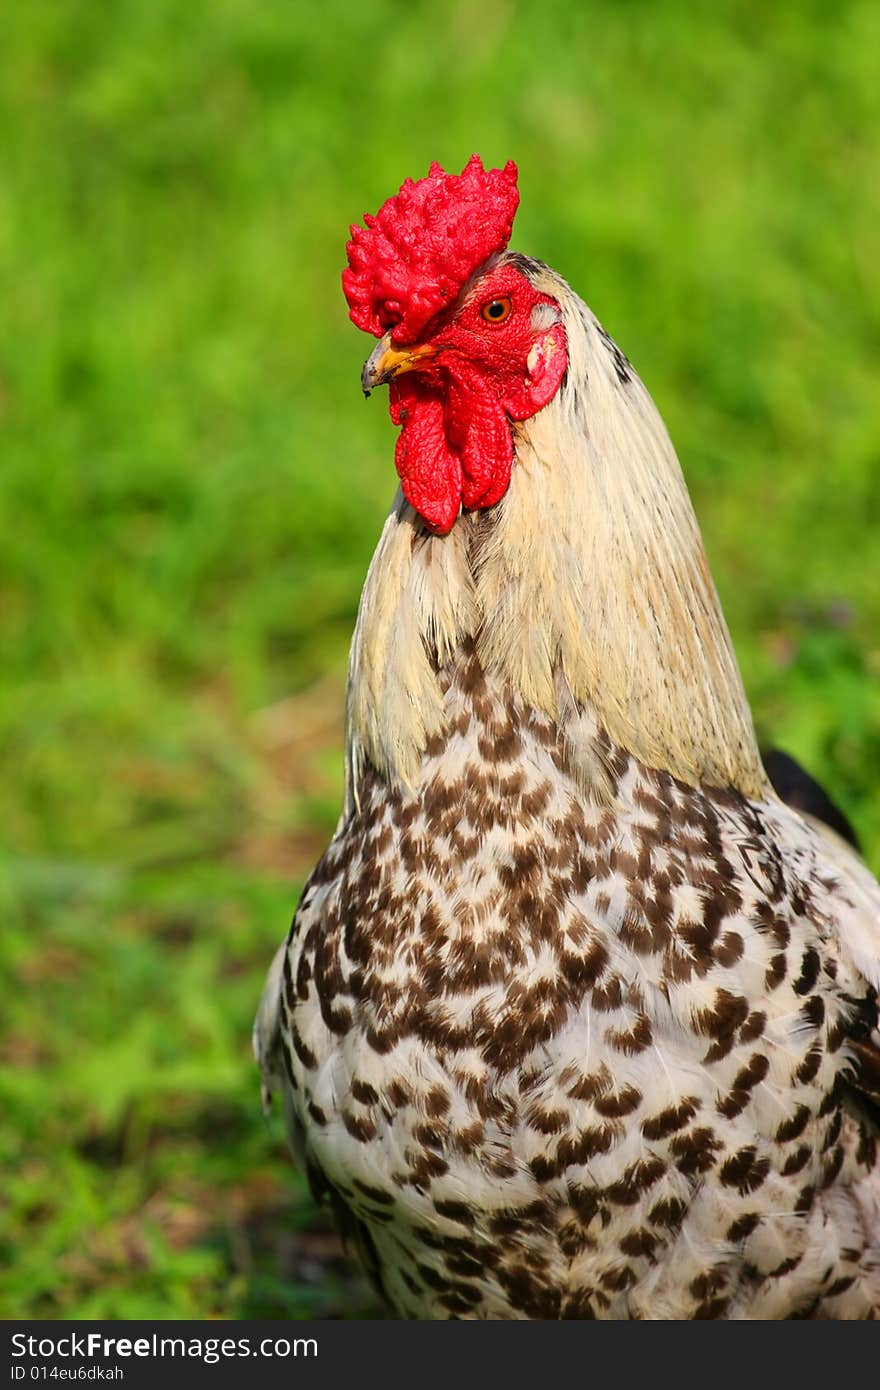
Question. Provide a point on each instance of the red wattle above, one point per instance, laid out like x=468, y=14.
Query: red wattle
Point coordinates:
x=479, y=429
x=455, y=447
x=430, y=472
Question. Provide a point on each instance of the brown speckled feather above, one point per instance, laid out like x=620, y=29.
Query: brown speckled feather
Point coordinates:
x=560, y=1061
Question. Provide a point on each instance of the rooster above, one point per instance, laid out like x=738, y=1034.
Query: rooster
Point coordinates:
x=576, y=1017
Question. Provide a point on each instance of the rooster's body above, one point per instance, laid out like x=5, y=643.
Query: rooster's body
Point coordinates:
x=574, y=1012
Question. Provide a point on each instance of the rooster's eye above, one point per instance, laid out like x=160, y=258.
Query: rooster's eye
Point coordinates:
x=496, y=310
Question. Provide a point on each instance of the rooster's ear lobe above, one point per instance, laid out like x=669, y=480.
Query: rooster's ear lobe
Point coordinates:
x=545, y=367
x=545, y=356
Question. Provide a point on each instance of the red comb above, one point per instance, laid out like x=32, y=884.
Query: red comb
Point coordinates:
x=416, y=253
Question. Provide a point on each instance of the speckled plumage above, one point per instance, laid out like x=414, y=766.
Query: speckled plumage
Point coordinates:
x=559, y=1032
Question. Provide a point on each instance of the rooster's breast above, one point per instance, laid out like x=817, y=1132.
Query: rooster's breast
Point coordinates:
x=536, y=1042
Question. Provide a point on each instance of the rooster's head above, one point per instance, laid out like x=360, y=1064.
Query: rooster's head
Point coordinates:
x=466, y=341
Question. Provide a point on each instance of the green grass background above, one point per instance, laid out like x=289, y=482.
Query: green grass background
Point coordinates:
x=191, y=487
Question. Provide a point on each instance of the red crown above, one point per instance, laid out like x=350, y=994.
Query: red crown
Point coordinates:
x=414, y=256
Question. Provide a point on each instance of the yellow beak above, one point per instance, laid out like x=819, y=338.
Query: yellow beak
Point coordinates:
x=387, y=361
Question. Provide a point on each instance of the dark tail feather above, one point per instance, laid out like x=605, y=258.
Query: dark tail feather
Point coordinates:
x=799, y=790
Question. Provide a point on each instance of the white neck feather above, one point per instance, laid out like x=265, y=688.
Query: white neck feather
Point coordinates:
x=586, y=588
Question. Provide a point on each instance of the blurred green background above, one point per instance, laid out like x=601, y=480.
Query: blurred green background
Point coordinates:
x=191, y=487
